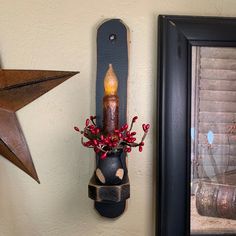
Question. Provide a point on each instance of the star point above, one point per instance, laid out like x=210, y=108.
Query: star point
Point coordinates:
x=17, y=89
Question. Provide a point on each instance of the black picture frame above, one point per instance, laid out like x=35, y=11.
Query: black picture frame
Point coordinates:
x=176, y=36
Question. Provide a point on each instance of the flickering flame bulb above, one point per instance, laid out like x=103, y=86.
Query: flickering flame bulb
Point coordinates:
x=110, y=82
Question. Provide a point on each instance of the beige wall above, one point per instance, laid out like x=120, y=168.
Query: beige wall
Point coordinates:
x=60, y=35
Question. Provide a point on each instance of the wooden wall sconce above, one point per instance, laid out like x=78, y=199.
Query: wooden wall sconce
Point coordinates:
x=110, y=187
x=17, y=89
x=111, y=137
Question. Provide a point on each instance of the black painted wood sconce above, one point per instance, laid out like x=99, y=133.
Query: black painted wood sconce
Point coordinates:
x=110, y=136
x=109, y=187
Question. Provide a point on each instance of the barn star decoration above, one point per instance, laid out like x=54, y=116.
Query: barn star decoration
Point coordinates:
x=17, y=89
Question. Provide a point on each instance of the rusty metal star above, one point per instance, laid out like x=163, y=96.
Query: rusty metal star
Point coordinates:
x=17, y=89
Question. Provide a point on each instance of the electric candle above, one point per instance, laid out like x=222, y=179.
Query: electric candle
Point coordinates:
x=110, y=102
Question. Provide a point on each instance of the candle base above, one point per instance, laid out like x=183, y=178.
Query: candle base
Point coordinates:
x=110, y=200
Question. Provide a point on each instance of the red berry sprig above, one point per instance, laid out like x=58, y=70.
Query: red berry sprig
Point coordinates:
x=121, y=139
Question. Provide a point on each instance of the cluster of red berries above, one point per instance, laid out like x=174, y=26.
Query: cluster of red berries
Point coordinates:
x=120, y=139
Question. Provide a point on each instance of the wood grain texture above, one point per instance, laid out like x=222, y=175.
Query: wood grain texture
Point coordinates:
x=219, y=63
x=216, y=84
x=218, y=73
x=220, y=160
x=213, y=106
x=221, y=117
x=219, y=52
x=216, y=128
x=222, y=138
x=220, y=96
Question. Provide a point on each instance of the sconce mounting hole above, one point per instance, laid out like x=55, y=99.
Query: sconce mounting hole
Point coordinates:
x=112, y=37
